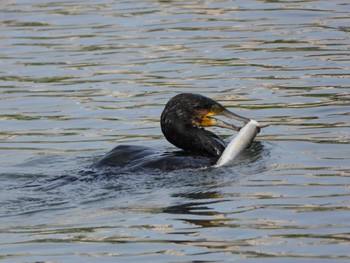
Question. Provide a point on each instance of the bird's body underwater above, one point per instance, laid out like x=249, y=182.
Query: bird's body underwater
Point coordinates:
x=182, y=122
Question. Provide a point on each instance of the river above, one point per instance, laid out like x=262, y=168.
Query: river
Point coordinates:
x=80, y=77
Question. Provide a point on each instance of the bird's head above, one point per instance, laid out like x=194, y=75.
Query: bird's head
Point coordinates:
x=185, y=116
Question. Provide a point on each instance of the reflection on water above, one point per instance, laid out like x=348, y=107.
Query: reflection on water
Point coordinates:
x=76, y=79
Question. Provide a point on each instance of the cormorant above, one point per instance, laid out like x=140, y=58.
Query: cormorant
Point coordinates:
x=182, y=122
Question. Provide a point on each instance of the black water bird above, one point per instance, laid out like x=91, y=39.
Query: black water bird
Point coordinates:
x=183, y=123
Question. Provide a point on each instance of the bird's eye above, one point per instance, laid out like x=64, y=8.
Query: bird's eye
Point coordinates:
x=214, y=108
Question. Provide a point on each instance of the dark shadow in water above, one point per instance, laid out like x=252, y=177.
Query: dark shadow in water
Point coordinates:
x=198, y=201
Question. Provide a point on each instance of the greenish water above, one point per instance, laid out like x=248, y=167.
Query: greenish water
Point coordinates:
x=79, y=77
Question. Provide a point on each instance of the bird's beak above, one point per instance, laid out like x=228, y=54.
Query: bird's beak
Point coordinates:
x=232, y=115
x=208, y=120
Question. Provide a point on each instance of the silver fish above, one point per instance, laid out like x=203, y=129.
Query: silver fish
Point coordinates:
x=242, y=140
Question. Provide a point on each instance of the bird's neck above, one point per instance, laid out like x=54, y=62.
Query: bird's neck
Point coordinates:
x=195, y=139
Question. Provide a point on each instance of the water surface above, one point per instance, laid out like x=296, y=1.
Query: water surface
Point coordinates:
x=78, y=78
